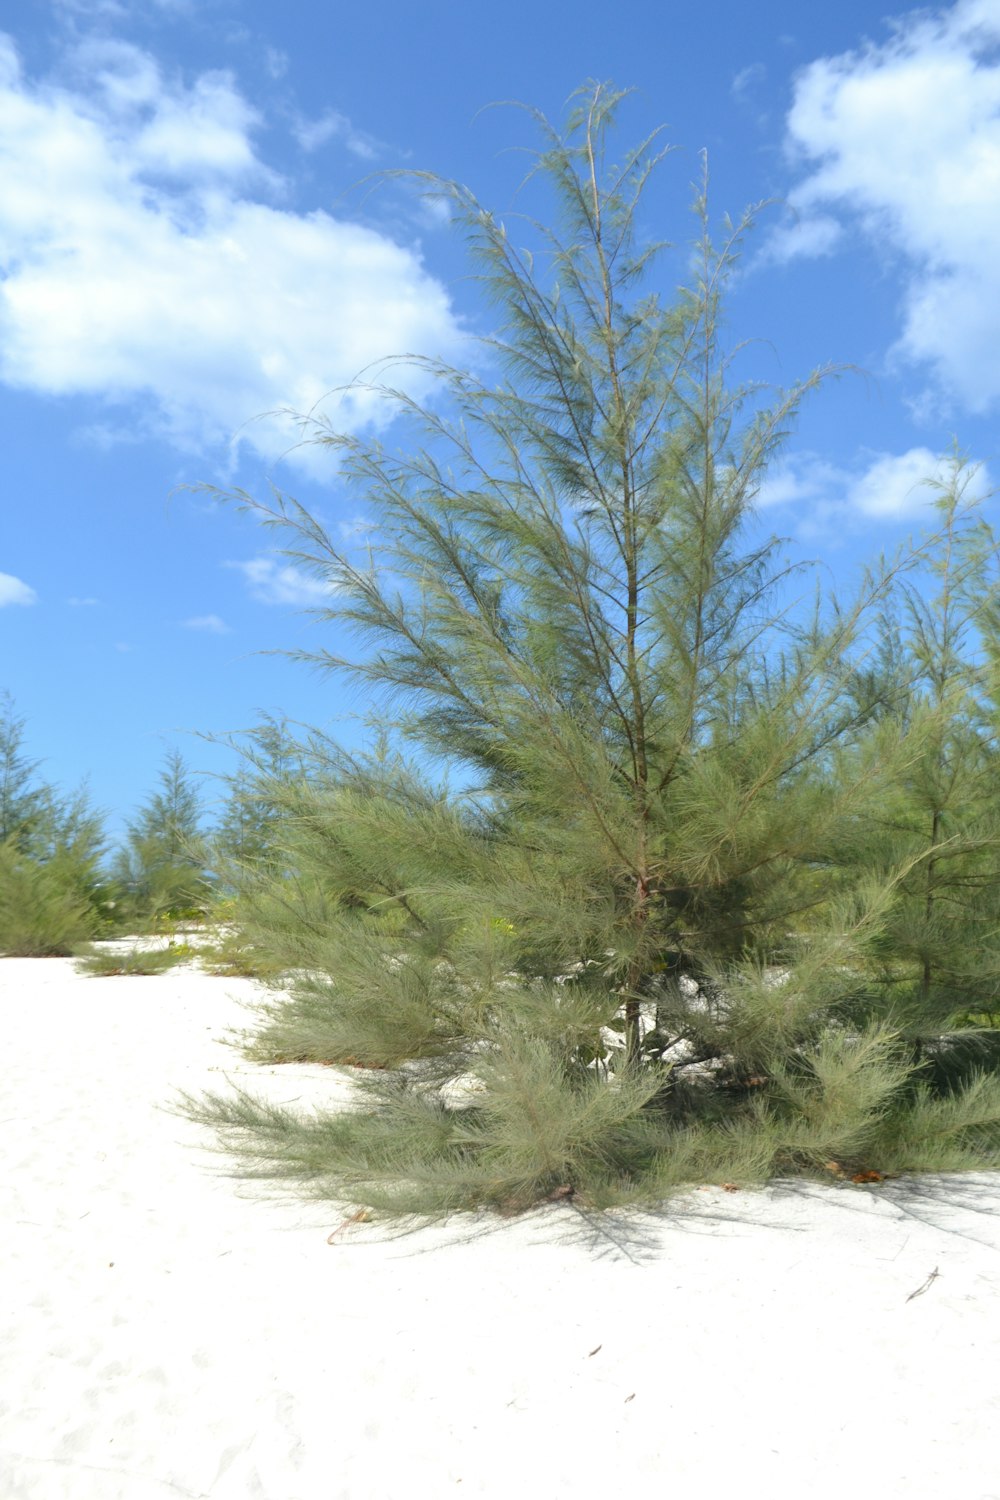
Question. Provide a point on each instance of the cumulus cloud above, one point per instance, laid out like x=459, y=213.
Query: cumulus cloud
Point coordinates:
x=13, y=591
x=212, y=624
x=897, y=485
x=880, y=487
x=904, y=139
x=272, y=582
x=144, y=259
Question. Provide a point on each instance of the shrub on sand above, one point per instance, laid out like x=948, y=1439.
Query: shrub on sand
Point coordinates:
x=44, y=912
x=718, y=868
x=105, y=962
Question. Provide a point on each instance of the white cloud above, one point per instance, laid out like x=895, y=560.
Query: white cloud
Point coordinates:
x=435, y=209
x=747, y=79
x=92, y=9
x=813, y=235
x=905, y=138
x=982, y=15
x=880, y=487
x=116, y=10
x=332, y=125
x=141, y=261
x=273, y=582
x=212, y=624
x=801, y=480
x=13, y=591
x=87, y=603
x=276, y=62
x=897, y=486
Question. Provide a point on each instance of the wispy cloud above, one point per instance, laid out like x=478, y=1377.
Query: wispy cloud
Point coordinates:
x=332, y=125
x=879, y=487
x=115, y=10
x=276, y=62
x=85, y=603
x=91, y=9
x=747, y=79
x=803, y=481
x=147, y=260
x=272, y=582
x=14, y=591
x=811, y=236
x=356, y=529
x=212, y=624
x=903, y=140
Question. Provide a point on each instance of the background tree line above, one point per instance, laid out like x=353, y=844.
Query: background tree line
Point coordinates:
x=64, y=882
x=61, y=881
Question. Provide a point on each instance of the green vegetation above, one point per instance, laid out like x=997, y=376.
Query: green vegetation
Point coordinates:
x=44, y=910
x=718, y=880
x=161, y=869
x=52, y=891
x=248, y=833
x=656, y=873
x=104, y=963
x=58, y=887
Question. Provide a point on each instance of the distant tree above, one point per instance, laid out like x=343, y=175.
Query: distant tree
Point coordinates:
x=645, y=935
x=52, y=886
x=247, y=834
x=162, y=865
x=22, y=797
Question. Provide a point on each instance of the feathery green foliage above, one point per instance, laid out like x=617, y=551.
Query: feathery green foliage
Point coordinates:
x=103, y=963
x=43, y=910
x=697, y=909
x=52, y=891
x=248, y=832
x=22, y=798
x=161, y=867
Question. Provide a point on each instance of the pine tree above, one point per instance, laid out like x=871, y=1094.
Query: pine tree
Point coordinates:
x=22, y=798
x=940, y=949
x=247, y=834
x=52, y=888
x=161, y=866
x=638, y=938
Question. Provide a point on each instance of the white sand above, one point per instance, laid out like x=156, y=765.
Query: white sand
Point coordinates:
x=171, y=1331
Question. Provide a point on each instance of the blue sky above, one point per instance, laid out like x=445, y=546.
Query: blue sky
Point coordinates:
x=190, y=240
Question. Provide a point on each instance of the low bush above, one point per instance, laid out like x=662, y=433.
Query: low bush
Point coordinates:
x=43, y=911
x=104, y=963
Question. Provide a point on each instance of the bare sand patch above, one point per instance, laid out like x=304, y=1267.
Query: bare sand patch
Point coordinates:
x=169, y=1330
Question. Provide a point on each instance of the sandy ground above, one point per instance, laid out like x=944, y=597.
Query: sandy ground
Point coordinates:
x=170, y=1331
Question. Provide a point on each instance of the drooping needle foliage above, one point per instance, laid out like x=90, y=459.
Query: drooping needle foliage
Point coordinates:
x=712, y=884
